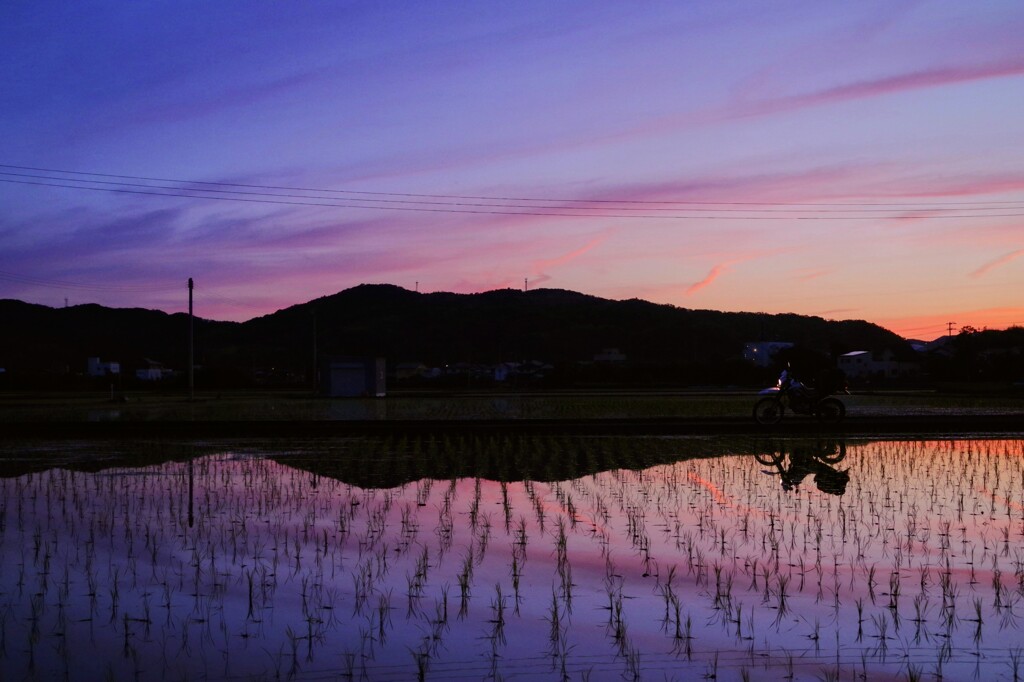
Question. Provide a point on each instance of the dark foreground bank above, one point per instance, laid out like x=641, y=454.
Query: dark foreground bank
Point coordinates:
x=906, y=425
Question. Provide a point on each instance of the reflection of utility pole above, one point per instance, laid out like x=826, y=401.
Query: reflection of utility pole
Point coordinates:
x=191, y=485
x=949, y=328
x=191, y=383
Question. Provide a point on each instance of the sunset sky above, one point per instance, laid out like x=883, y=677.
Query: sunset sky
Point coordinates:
x=858, y=160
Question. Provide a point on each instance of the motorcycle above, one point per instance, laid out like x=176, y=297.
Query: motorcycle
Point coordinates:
x=795, y=463
x=800, y=399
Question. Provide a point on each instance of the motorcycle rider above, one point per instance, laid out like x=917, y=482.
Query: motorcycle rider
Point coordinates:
x=827, y=382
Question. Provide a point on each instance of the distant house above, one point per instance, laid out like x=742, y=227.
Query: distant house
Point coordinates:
x=887, y=364
x=151, y=370
x=95, y=367
x=352, y=377
x=762, y=353
x=610, y=356
x=530, y=370
x=857, y=364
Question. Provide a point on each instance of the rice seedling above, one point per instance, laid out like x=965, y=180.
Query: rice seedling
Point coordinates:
x=1015, y=661
x=273, y=547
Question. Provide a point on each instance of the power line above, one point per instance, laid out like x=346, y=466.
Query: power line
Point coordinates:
x=534, y=206
x=561, y=211
x=513, y=198
x=84, y=286
x=490, y=205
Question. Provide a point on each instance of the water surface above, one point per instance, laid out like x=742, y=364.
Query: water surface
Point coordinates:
x=541, y=558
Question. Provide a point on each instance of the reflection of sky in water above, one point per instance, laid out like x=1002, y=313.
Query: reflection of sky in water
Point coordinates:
x=918, y=567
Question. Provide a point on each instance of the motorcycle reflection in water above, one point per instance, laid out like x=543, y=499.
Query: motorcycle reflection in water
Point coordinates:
x=807, y=458
x=800, y=399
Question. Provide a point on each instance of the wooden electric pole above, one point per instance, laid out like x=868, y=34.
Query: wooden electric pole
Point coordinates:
x=316, y=383
x=191, y=381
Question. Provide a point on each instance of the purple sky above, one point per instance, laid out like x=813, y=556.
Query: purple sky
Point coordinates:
x=849, y=160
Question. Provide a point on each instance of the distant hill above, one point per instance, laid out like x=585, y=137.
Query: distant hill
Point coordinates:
x=40, y=339
x=550, y=325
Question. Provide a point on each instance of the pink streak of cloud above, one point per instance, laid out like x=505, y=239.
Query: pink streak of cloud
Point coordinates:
x=721, y=268
x=711, y=277
x=844, y=313
x=541, y=267
x=887, y=85
x=806, y=276
x=538, y=270
x=998, y=262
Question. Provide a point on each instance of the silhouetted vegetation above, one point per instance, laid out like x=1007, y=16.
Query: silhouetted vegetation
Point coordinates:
x=662, y=344
x=973, y=355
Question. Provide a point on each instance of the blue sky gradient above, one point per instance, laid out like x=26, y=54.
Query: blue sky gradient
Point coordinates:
x=850, y=160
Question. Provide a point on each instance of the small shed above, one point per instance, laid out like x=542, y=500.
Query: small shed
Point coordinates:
x=352, y=377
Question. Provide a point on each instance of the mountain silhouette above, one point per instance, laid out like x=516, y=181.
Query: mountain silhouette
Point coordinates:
x=554, y=326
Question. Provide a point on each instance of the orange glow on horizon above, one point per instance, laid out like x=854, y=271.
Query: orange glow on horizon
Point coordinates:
x=928, y=327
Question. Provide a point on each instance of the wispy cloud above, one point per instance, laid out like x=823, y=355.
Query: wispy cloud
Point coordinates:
x=808, y=275
x=711, y=277
x=998, y=262
x=844, y=313
x=541, y=267
x=916, y=80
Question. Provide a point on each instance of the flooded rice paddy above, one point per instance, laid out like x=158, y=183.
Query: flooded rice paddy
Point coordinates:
x=514, y=558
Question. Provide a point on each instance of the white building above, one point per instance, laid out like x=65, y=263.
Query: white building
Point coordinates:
x=856, y=364
x=153, y=371
x=95, y=367
x=861, y=363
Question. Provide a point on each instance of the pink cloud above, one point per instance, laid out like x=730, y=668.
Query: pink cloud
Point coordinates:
x=883, y=86
x=845, y=313
x=711, y=277
x=740, y=108
x=541, y=267
x=1002, y=260
x=538, y=270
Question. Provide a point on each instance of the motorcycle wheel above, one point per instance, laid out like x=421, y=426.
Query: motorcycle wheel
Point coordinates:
x=768, y=411
x=838, y=454
x=831, y=411
x=769, y=460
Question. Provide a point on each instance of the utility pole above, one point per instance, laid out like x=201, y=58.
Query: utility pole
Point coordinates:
x=417, y=286
x=191, y=490
x=526, y=284
x=315, y=370
x=949, y=328
x=191, y=378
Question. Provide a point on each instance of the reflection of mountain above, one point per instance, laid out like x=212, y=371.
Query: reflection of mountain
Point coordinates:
x=29, y=457
x=392, y=461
